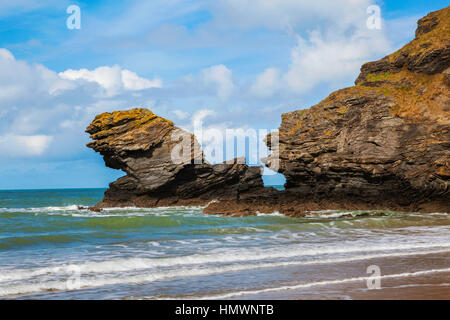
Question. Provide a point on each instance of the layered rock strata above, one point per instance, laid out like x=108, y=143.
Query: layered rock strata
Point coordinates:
x=381, y=144
x=164, y=164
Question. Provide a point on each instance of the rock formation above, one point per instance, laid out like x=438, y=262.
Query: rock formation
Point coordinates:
x=388, y=137
x=381, y=144
x=164, y=164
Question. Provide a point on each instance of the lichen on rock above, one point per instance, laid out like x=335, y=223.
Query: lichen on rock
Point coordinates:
x=158, y=172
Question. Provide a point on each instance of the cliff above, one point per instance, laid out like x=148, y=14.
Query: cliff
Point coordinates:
x=381, y=144
x=164, y=164
x=387, y=137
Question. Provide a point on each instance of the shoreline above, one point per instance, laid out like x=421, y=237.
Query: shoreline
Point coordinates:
x=268, y=200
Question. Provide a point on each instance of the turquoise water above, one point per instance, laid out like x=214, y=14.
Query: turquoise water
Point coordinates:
x=49, y=249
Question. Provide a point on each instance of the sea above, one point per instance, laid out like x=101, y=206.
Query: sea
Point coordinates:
x=52, y=248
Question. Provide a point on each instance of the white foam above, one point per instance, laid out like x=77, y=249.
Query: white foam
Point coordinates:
x=172, y=208
x=72, y=207
x=82, y=211
x=273, y=214
x=133, y=264
x=328, y=214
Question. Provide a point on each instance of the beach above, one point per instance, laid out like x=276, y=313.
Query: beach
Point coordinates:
x=50, y=249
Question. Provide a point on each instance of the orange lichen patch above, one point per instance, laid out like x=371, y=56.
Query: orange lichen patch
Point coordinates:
x=296, y=127
x=110, y=123
x=444, y=172
x=342, y=109
x=342, y=94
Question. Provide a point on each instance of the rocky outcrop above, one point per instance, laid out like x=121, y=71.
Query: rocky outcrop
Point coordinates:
x=164, y=164
x=385, y=140
x=428, y=53
x=381, y=144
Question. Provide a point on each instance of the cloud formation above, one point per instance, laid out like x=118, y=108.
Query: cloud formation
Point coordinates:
x=330, y=59
x=113, y=79
x=220, y=78
x=28, y=146
x=328, y=54
x=43, y=113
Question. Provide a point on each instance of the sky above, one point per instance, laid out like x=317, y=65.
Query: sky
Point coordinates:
x=228, y=64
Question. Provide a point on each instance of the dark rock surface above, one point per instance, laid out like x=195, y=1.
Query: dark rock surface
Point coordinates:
x=387, y=139
x=143, y=145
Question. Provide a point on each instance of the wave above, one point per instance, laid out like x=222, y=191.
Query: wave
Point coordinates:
x=273, y=214
x=311, y=214
x=76, y=208
x=72, y=207
x=133, y=264
x=333, y=214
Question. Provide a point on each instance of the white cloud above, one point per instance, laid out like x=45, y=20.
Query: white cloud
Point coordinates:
x=220, y=78
x=19, y=80
x=6, y=55
x=45, y=114
x=112, y=79
x=180, y=114
x=327, y=55
x=330, y=59
x=131, y=81
x=266, y=83
x=19, y=146
x=197, y=118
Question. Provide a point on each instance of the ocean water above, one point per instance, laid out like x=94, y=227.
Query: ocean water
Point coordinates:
x=49, y=249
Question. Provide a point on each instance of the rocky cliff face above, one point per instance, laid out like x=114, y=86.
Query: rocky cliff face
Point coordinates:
x=388, y=137
x=164, y=164
x=381, y=144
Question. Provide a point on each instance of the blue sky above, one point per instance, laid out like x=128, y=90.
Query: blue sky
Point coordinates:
x=233, y=64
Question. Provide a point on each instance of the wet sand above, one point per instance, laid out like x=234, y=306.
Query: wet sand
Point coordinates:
x=421, y=277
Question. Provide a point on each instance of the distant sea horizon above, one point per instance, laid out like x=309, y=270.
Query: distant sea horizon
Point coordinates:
x=90, y=188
